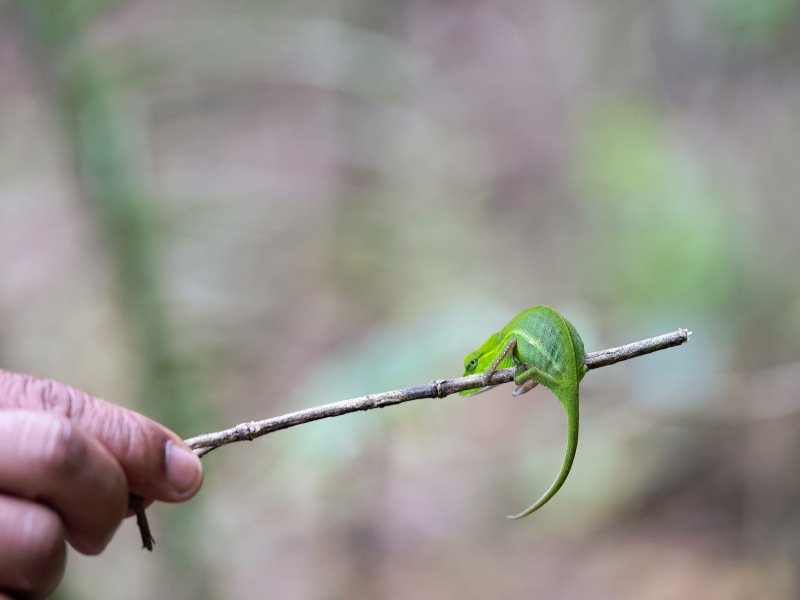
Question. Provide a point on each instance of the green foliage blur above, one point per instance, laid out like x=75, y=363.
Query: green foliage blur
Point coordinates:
x=219, y=212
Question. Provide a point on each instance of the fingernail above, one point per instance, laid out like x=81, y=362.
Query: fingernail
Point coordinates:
x=184, y=471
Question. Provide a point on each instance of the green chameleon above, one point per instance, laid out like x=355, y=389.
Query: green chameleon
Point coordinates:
x=545, y=348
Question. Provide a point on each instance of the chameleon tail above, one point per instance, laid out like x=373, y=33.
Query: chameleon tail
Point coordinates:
x=571, y=408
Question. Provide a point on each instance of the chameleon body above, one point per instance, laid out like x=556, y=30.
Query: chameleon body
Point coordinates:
x=545, y=349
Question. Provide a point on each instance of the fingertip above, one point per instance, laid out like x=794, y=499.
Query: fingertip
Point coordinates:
x=184, y=470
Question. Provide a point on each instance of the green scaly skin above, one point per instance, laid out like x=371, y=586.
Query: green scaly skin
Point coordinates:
x=545, y=349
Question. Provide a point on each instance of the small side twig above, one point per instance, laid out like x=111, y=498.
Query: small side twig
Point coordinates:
x=136, y=504
x=205, y=443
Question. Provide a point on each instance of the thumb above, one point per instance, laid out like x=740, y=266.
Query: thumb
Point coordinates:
x=156, y=462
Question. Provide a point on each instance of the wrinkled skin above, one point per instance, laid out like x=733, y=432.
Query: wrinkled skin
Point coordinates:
x=68, y=462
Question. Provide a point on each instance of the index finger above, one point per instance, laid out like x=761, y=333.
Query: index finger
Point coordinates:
x=155, y=460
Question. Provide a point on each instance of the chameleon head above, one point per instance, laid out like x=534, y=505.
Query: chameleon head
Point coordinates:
x=470, y=363
x=482, y=358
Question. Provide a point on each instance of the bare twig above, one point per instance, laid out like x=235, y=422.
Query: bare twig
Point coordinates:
x=205, y=443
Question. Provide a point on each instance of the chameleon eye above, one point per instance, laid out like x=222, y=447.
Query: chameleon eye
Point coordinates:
x=472, y=364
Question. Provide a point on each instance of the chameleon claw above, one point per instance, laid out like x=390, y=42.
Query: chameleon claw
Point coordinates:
x=525, y=387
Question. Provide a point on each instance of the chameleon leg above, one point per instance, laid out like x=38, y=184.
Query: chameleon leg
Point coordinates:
x=500, y=357
x=526, y=382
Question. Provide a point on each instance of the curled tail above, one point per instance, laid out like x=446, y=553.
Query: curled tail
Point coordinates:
x=569, y=401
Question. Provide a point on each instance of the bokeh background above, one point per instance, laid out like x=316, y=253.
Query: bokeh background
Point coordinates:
x=214, y=212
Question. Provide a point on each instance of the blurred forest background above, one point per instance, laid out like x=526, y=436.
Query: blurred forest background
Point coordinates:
x=214, y=212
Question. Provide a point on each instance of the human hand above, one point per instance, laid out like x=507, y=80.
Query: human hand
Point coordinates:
x=68, y=462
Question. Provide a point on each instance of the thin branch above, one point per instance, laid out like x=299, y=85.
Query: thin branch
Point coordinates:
x=205, y=443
